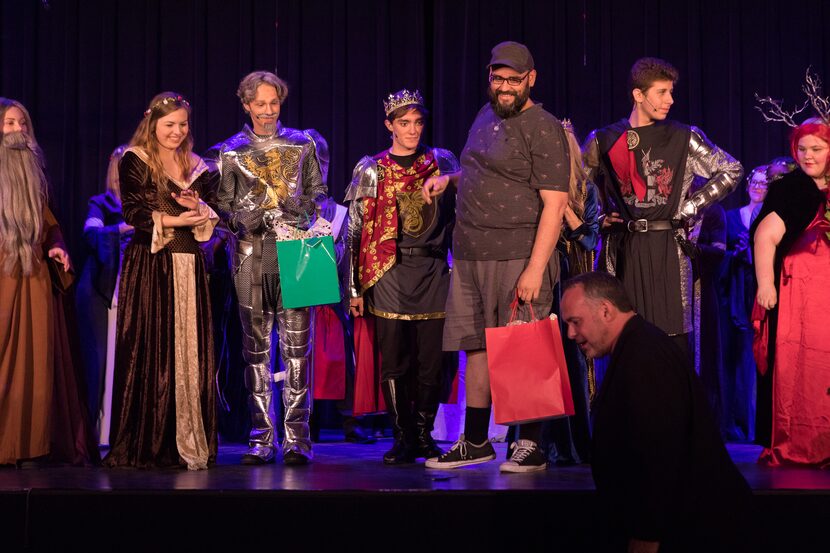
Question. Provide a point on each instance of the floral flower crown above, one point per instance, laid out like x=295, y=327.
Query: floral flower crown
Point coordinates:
x=167, y=100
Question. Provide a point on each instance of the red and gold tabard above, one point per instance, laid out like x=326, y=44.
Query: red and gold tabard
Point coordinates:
x=398, y=203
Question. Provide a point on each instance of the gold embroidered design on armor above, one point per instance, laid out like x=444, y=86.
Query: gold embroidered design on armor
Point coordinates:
x=276, y=172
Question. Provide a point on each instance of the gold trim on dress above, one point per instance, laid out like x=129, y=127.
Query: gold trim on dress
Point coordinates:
x=403, y=317
x=379, y=273
x=191, y=438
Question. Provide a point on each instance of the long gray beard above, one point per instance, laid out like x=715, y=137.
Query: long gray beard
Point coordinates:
x=22, y=195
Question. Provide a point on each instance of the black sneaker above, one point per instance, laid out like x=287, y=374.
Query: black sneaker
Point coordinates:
x=526, y=457
x=463, y=453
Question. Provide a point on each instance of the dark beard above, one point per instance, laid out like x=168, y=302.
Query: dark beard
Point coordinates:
x=514, y=109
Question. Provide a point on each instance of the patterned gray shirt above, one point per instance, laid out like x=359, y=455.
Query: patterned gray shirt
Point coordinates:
x=503, y=166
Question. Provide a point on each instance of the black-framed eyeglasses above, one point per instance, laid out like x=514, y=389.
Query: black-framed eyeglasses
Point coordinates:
x=512, y=81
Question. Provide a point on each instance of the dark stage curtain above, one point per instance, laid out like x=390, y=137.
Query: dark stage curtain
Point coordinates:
x=86, y=68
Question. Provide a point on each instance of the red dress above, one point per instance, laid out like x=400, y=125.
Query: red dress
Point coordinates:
x=801, y=382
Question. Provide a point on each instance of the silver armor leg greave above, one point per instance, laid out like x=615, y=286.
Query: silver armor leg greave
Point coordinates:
x=295, y=348
x=257, y=321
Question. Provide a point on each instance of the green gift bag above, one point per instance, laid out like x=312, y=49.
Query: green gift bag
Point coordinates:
x=308, y=272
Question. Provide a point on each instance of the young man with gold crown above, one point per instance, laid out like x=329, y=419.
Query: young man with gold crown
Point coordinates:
x=398, y=252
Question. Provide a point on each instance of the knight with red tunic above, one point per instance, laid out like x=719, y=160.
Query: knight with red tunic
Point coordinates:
x=399, y=273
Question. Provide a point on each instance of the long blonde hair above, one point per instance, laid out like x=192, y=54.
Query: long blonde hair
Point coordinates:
x=23, y=194
x=113, y=184
x=144, y=137
x=578, y=181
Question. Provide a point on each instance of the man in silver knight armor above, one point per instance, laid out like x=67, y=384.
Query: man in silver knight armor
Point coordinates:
x=399, y=272
x=272, y=177
x=644, y=167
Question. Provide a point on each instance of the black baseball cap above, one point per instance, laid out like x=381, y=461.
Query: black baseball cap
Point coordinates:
x=512, y=54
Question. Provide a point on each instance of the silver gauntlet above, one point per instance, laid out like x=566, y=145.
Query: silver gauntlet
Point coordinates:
x=707, y=160
x=717, y=188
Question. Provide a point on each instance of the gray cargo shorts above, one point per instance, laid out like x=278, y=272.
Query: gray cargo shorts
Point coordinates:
x=480, y=296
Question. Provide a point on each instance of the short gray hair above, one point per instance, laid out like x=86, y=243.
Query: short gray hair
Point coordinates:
x=248, y=85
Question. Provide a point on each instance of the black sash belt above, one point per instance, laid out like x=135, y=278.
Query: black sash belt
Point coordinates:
x=423, y=252
x=646, y=225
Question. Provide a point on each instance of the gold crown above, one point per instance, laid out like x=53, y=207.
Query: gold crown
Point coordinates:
x=402, y=98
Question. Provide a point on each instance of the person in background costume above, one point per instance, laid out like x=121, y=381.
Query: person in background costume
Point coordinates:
x=334, y=356
x=569, y=438
x=273, y=179
x=644, y=166
x=710, y=248
x=398, y=247
x=106, y=236
x=738, y=287
x=164, y=411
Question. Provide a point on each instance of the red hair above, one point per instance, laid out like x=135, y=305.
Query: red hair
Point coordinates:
x=808, y=128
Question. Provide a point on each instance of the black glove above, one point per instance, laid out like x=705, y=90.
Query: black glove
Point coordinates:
x=247, y=222
x=301, y=208
x=687, y=247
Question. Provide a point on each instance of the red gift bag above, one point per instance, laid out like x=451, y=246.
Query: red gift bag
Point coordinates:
x=368, y=398
x=329, y=355
x=528, y=375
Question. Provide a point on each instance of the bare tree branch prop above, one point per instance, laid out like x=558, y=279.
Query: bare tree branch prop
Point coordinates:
x=772, y=110
x=812, y=88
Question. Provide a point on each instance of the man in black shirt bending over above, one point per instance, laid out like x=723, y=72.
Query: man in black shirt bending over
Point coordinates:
x=663, y=476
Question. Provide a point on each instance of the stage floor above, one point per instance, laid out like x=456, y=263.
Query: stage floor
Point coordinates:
x=91, y=509
x=340, y=466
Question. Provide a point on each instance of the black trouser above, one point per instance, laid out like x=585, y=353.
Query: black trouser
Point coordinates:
x=683, y=341
x=407, y=346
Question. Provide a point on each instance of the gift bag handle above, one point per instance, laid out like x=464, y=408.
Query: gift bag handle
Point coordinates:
x=297, y=233
x=515, y=305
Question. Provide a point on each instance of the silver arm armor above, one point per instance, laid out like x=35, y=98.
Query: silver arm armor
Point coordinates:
x=364, y=180
x=316, y=187
x=364, y=185
x=707, y=160
x=591, y=163
x=446, y=160
x=590, y=156
x=227, y=193
x=355, y=230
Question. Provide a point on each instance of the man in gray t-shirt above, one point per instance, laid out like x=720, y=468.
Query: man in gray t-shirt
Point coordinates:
x=511, y=196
